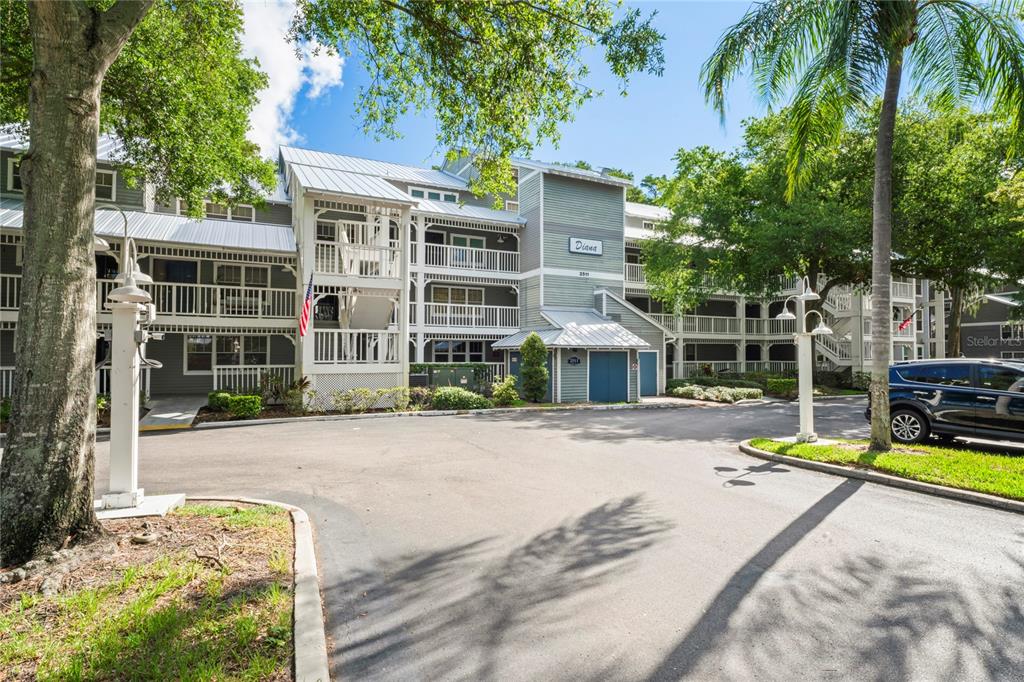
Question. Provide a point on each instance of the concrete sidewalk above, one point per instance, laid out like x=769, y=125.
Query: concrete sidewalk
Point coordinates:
x=172, y=412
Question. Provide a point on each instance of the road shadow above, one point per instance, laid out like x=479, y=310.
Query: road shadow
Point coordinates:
x=734, y=477
x=454, y=613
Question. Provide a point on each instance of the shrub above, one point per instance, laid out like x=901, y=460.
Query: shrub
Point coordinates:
x=245, y=406
x=420, y=397
x=102, y=403
x=741, y=393
x=534, y=371
x=398, y=397
x=295, y=401
x=781, y=387
x=272, y=388
x=355, y=400
x=718, y=394
x=218, y=400
x=504, y=392
x=458, y=398
x=861, y=381
x=712, y=381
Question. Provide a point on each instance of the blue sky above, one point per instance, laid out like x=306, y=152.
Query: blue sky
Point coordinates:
x=639, y=132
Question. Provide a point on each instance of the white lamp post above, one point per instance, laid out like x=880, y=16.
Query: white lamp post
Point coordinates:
x=805, y=359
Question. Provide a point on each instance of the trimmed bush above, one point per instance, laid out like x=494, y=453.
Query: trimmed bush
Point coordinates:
x=458, y=398
x=781, y=387
x=712, y=381
x=245, y=406
x=861, y=381
x=718, y=394
x=218, y=400
x=504, y=392
x=741, y=393
x=534, y=371
x=420, y=397
x=398, y=397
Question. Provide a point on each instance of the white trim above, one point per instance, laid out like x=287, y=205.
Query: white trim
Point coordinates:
x=11, y=162
x=184, y=355
x=568, y=272
x=540, y=225
x=639, y=312
x=113, y=184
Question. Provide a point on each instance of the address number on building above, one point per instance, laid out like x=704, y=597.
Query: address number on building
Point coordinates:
x=590, y=247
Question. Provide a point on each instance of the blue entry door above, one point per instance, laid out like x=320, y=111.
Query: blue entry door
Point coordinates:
x=609, y=376
x=648, y=373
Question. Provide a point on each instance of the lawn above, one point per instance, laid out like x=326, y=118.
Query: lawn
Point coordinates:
x=995, y=474
x=211, y=598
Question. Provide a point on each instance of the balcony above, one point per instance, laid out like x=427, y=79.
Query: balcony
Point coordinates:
x=466, y=258
x=212, y=300
x=357, y=260
x=355, y=347
x=904, y=291
x=770, y=327
x=635, y=274
x=709, y=325
x=464, y=315
x=245, y=379
x=10, y=292
x=666, y=320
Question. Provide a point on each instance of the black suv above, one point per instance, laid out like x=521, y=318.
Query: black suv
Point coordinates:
x=956, y=397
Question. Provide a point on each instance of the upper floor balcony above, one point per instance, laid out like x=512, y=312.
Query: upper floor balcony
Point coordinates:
x=469, y=258
x=358, y=260
x=635, y=277
x=466, y=315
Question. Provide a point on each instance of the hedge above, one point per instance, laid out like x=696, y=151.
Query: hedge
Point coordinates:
x=245, y=406
x=713, y=381
x=218, y=400
x=784, y=388
x=718, y=394
x=458, y=398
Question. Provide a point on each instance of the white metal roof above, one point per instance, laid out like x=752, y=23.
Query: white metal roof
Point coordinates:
x=108, y=147
x=467, y=211
x=167, y=227
x=577, y=328
x=648, y=211
x=572, y=172
x=353, y=184
x=383, y=169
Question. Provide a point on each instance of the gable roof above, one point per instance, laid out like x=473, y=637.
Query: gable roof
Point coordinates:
x=648, y=211
x=175, y=229
x=572, y=172
x=355, y=184
x=382, y=169
x=576, y=328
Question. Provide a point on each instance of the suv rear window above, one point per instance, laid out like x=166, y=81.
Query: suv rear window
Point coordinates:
x=946, y=375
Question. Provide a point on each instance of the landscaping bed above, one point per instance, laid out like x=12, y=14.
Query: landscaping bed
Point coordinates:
x=205, y=592
x=955, y=467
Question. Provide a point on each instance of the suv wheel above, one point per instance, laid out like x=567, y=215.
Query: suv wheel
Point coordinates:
x=908, y=426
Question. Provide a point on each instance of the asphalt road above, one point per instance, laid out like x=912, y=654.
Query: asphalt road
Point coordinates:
x=627, y=545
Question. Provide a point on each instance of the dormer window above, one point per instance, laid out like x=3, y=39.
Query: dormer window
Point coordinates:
x=512, y=206
x=433, y=194
x=245, y=213
x=213, y=210
x=106, y=185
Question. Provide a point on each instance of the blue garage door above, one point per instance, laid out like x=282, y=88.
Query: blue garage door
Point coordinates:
x=648, y=373
x=609, y=381
x=515, y=362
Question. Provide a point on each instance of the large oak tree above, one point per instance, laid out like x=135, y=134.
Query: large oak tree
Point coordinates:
x=168, y=78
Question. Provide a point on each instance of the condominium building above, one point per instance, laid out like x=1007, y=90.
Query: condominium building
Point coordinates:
x=409, y=267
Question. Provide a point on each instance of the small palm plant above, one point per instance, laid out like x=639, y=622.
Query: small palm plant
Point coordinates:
x=830, y=57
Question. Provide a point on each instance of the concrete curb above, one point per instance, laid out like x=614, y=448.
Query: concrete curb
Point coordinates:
x=436, y=413
x=311, y=664
x=887, y=479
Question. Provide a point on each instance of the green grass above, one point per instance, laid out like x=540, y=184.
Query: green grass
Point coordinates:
x=171, y=618
x=982, y=472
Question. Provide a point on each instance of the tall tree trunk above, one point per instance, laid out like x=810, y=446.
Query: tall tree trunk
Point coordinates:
x=881, y=258
x=46, y=474
x=956, y=314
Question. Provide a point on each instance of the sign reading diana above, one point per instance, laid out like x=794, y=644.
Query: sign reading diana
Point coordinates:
x=590, y=247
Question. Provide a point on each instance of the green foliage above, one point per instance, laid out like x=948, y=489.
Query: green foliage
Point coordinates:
x=718, y=394
x=500, y=77
x=245, y=406
x=534, y=371
x=102, y=403
x=731, y=218
x=272, y=388
x=354, y=401
x=420, y=397
x=780, y=387
x=5, y=410
x=218, y=400
x=504, y=392
x=458, y=398
x=179, y=96
x=398, y=398
x=860, y=381
x=713, y=381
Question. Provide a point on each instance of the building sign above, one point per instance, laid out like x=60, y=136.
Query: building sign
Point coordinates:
x=574, y=360
x=590, y=247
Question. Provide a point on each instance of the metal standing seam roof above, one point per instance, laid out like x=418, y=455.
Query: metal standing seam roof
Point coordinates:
x=353, y=184
x=570, y=171
x=108, y=147
x=383, y=169
x=648, y=211
x=577, y=328
x=467, y=211
x=175, y=229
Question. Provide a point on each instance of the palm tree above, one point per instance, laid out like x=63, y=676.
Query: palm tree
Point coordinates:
x=830, y=57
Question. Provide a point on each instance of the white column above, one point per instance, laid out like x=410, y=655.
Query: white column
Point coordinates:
x=805, y=373
x=306, y=234
x=403, y=294
x=124, y=409
x=940, y=324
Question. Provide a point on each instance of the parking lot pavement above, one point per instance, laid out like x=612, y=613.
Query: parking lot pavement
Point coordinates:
x=620, y=545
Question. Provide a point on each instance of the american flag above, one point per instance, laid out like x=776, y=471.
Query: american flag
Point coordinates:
x=906, y=323
x=307, y=308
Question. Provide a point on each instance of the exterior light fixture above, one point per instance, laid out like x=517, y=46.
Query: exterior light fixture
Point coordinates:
x=100, y=245
x=785, y=314
x=807, y=293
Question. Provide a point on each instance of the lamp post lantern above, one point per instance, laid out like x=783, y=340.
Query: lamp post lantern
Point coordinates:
x=805, y=355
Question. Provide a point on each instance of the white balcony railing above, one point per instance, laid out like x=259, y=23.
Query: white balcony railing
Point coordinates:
x=462, y=315
x=770, y=327
x=212, y=300
x=463, y=257
x=771, y=366
x=357, y=260
x=709, y=324
x=903, y=291
x=355, y=347
x=495, y=370
x=690, y=368
x=248, y=378
x=838, y=349
x=664, y=319
x=635, y=274
x=10, y=292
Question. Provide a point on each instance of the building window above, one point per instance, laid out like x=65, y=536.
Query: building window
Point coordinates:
x=512, y=206
x=106, y=185
x=648, y=225
x=434, y=194
x=458, y=295
x=1011, y=332
x=219, y=211
x=458, y=351
x=1012, y=355
x=243, y=212
x=326, y=232
x=234, y=275
x=14, y=175
x=467, y=241
x=178, y=271
x=198, y=354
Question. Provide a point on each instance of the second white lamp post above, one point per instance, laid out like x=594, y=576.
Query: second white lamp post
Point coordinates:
x=805, y=355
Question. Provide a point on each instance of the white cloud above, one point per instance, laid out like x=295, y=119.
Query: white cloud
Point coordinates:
x=265, y=38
